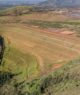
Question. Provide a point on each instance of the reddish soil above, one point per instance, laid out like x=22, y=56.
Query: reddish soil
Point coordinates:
x=45, y=45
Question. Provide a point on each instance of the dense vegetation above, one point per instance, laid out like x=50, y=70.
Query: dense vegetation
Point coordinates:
x=60, y=82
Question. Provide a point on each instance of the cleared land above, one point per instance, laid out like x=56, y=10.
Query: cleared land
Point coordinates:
x=36, y=47
x=49, y=48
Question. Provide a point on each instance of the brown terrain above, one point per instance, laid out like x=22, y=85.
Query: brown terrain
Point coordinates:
x=52, y=49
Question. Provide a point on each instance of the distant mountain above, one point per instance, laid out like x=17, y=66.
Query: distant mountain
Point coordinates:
x=12, y=2
x=6, y=3
x=60, y=3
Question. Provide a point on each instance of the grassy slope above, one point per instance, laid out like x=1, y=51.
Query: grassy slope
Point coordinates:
x=18, y=10
x=16, y=61
x=64, y=81
x=51, y=51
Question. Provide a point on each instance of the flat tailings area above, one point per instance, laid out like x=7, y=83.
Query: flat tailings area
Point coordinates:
x=49, y=48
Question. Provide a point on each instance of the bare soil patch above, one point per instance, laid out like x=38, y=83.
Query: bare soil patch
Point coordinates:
x=45, y=45
x=67, y=32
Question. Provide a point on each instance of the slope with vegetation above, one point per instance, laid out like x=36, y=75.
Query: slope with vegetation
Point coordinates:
x=63, y=81
x=39, y=57
x=18, y=10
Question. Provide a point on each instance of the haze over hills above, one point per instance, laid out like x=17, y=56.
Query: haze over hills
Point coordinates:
x=41, y=3
x=4, y=3
x=60, y=3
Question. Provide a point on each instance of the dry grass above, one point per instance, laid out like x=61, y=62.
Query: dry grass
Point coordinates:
x=50, y=16
x=49, y=48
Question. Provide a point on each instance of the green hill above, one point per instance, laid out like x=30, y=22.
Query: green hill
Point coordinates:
x=18, y=10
